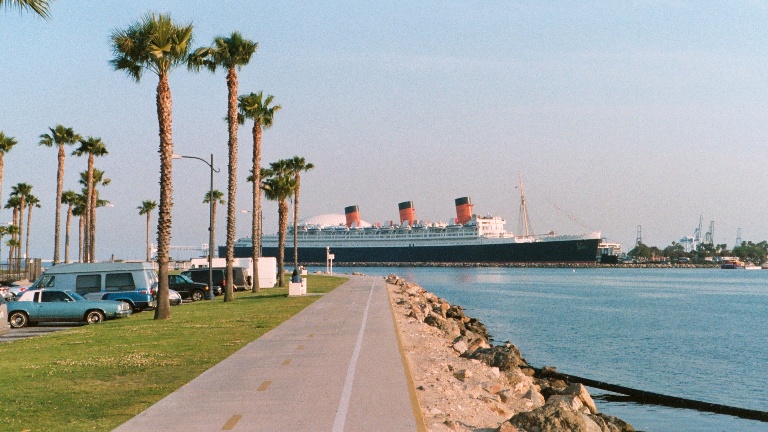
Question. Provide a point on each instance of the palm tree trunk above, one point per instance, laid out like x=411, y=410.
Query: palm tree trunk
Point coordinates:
x=59, y=189
x=149, y=214
x=66, y=236
x=232, y=183
x=165, y=122
x=89, y=211
x=92, y=227
x=256, y=220
x=296, y=223
x=80, y=224
x=2, y=163
x=21, y=225
x=29, y=224
x=283, y=222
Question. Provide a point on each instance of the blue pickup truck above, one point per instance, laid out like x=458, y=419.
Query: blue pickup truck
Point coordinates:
x=131, y=283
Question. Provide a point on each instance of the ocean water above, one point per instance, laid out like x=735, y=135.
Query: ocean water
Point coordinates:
x=693, y=333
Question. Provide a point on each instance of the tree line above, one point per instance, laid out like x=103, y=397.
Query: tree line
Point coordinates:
x=748, y=251
x=158, y=45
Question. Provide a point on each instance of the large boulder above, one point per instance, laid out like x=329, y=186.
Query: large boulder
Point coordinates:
x=555, y=416
x=505, y=357
x=448, y=326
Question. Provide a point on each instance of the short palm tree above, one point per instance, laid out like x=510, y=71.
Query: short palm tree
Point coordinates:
x=13, y=203
x=6, y=144
x=39, y=7
x=32, y=201
x=218, y=198
x=59, y=136
x=278, y=185
x=93, y=147
x=255, y=107
x=157, y=44
x=230, y=53
x=21, y=190
x=297, y=165
x=146, y=208
x=98, y=179
x=71, y=199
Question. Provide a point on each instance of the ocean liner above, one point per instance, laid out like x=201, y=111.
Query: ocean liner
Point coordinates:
x=468, y=238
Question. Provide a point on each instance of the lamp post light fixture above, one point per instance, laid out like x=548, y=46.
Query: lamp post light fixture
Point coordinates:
x=211, y=294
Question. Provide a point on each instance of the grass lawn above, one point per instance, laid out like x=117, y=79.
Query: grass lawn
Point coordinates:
x=97, y=377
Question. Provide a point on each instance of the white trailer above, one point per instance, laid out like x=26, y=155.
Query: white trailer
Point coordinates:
x=267, y=268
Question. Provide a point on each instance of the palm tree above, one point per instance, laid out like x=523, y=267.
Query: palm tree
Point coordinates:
x=218, y=198
x=230, y=53
x=297, y=165
x=6, y=144
x=32, y=201
x=39, y=7
x=71, y=199
x=13, y=203
x=278, y=184
x=146, y=208
x=59, y=136
x=156, y=44
x=98, y=179
x=92, y=147
x=21, y=190
x=4, y=231
x=78, y=210
x=254, y=106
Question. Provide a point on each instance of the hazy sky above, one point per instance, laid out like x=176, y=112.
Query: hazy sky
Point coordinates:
x=616, y=114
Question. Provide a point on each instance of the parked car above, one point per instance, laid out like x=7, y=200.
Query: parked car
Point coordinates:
x=189, y=289
x=4, y=325
x=219, y=279
x=37, y=305
x=131, y=283
x=174, y=298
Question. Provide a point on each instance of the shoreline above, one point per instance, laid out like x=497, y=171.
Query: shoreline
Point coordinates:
x=518, y=265
x=465, y=383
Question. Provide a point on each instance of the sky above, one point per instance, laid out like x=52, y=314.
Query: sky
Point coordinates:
x=617, y=115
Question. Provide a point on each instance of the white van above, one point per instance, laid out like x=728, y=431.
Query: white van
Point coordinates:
x=133, y=283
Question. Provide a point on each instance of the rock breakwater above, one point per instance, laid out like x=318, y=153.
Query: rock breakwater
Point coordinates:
x=466, y=383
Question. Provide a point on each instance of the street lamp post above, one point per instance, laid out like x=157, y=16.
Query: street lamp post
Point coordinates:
x=211, y=295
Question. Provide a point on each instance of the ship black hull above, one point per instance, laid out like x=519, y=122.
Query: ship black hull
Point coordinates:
x=571, y=251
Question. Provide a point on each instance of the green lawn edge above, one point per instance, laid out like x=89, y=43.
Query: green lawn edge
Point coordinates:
x=98, y=377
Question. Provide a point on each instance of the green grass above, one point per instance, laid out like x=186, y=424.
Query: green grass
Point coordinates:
x=98, y=377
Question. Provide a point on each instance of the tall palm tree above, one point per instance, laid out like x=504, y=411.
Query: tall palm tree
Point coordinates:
x=218, y=198
x=21, y=190
x=157, y=44
x=254, y=106
x=78, y=210
x=6, y=144
x=297, y=165
x=4, y=231
x=39, y=7
x=71, y=199
x=230, y=53
x=93, y=147
x=59, y=136
x=278, y=184
x=32, y=201
x=146, y=208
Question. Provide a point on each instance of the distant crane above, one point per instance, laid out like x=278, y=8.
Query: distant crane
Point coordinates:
x=639, y=235
x=709, y=238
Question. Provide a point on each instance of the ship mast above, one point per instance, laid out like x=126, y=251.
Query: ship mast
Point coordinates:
x=523, y=210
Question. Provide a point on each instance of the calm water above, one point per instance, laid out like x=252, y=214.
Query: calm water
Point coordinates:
x=694, y=333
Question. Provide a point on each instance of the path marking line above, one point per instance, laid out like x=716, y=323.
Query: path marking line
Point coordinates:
x=230, y=424
x=346, y=394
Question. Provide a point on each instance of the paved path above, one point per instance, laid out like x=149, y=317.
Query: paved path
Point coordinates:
x=335, y=366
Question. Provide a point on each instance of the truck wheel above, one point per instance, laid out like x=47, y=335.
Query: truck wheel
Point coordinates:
x=197, y=295
x=18, y=320
x=94, y=317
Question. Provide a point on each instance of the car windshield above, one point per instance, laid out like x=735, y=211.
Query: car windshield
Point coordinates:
x=75, y=295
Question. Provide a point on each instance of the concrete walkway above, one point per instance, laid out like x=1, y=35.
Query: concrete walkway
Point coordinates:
x=335, y=366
